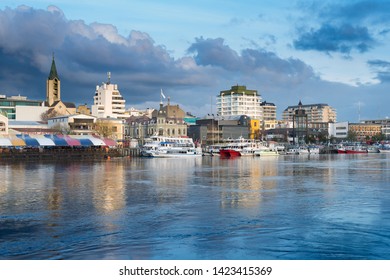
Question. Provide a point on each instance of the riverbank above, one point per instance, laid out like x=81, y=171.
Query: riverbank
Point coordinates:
x=61, y=153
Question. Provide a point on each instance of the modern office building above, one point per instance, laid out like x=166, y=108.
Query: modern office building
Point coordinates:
x=108, y=101
x=315, y=113
x=338, y=130
x=239, y=101
x=19, y=108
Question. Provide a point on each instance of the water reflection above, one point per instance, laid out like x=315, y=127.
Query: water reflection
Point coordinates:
x=323, y=207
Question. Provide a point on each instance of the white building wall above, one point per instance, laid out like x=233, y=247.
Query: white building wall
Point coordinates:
x=237, y=104
x=29, y=113
x=338, y=130
x=108, y=102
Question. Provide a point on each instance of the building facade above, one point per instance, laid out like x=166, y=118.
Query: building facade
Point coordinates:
x=338, y=130
x=75, y=124
x=269, y=111
x=315, y=113
x=239, y=101
x=3, y=124
x=168, y=120
x=108, y=101
x=19, y=108
x=364, y=131
x=385, y=126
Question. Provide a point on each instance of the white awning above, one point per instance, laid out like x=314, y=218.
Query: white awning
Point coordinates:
x=5, y=142
x=95, y=141
x=44, y=141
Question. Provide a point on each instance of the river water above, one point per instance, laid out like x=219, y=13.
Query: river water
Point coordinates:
x=287, y=207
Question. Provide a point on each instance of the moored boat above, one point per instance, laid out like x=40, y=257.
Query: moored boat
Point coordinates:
x=265, y=152
x=240, y=147
x=174, y=147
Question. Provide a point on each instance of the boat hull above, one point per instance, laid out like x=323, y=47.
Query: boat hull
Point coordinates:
x=229, y=153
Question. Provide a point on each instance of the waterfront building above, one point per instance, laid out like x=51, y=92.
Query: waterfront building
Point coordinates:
x=110, y=128
x=213, y=130
x=338, y=130
x=19, y=108
x=315, y=113
x=168, y=120
x=385, y=126
x=78, y=124
x=269, y=115
x=3, y=123
x=137, y=127
x=239, y=101
x=269, y=111
x=364, y=131
x=108, y=101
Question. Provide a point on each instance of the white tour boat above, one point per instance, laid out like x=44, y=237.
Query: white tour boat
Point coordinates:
x=173, y=147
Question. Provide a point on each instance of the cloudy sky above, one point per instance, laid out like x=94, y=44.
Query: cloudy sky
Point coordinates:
x=334, y=52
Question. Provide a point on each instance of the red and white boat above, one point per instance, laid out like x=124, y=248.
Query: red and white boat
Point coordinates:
x=352, y=149
x=241, y=147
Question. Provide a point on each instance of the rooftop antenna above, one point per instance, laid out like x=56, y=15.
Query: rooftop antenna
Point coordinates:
x=109, y=77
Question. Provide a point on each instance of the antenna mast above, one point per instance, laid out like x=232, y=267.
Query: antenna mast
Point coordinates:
x=108, y=77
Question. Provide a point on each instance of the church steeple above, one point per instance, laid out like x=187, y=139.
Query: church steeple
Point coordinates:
x=53, y=85
x=53, y=70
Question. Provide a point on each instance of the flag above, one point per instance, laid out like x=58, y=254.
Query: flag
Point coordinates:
x=162, y=94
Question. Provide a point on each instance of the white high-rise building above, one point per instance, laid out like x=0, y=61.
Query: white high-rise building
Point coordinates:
x=239, y=101
x=108, y=101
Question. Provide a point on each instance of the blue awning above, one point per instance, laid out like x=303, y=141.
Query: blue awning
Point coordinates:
x=58, y=140
x=85, y=142
x=30, y=142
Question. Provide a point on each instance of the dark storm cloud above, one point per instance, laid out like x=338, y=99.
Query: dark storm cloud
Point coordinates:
x=140, y=67
x=341, y=39
x=381, y=68
x=213, y=52
x=344, y=27
x=369, y=11
x=85, y=52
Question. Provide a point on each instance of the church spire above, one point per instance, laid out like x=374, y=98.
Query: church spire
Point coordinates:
x=53, y=70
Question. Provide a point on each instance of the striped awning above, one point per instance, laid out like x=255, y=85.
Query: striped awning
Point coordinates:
x=55, y=140
x=94, y=140
x=71, y=141
x=58, y=141
x=30, y=142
